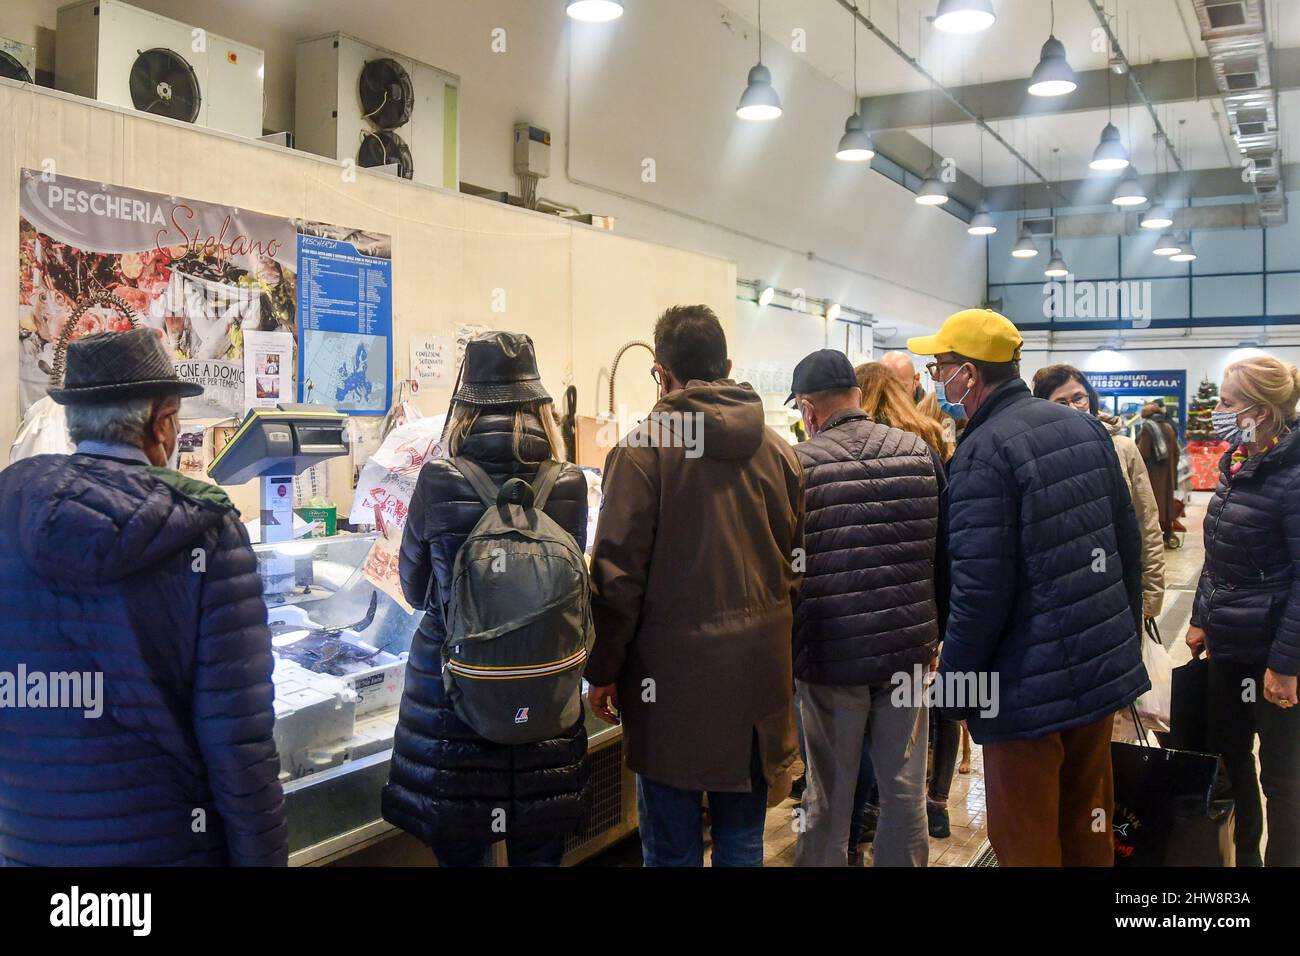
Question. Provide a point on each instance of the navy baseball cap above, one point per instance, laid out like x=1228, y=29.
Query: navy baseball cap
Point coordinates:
x=821, y=371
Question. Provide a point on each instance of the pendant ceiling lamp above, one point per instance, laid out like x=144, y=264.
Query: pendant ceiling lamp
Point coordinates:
x=855, y=145
x=1167, y=244
x=1056, y=267
x=932, y=192
x=981, y=224
x=964, y=16
x=1129, y=191
x=1024, y=247
x=1185, y=252
x=1157, y=217
x=594, y=11
x=760, y=101
x=1053, y=76
x=1110, y=154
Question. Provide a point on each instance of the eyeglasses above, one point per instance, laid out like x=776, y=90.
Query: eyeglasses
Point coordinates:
x=933, y=368
x=654, y=374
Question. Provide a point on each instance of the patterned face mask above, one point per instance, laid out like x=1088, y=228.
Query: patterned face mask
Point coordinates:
x=1226, y=427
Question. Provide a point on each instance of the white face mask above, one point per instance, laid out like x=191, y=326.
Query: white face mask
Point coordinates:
x=1226, y=427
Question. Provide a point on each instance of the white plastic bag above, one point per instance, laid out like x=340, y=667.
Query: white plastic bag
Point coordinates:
x=1153, y=706
x=44, y=431
x=387, y=480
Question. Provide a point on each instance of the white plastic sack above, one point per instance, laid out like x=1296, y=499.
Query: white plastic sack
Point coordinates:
x=44, y=431
x=1153, y=706
x=388, y=477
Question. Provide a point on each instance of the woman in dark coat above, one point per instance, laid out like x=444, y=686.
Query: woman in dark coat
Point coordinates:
x=1157, y=440
x=449, y=787
x=1247, y=610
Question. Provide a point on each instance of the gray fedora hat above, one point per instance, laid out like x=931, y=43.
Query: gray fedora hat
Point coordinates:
x=111, y=366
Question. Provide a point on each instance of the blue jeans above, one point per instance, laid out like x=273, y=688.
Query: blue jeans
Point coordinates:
x=672, y=833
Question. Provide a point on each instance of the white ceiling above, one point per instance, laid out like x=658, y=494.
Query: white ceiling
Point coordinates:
x=1148, y=29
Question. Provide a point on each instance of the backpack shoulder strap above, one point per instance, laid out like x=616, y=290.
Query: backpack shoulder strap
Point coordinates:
x=548, y=473
x=483, y=486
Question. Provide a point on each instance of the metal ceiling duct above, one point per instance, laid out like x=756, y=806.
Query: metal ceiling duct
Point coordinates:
x=1236, y=35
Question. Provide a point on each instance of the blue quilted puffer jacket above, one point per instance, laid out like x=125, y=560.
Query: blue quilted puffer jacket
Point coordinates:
x=1248, y=597
x=1046, y=568
x=145, y=577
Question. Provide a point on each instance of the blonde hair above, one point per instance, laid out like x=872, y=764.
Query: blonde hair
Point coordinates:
x=929, y=407
x=464, y=417
x=886, y=400
x=1268, y=381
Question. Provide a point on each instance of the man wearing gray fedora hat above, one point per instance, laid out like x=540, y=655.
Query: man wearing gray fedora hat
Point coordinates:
x=137, y=730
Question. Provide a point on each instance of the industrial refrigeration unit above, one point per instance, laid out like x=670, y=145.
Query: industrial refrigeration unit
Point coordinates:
x=124, y=56
x=358, y=102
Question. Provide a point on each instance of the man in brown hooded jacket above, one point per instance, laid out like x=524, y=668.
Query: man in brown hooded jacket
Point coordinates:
x=693, y=570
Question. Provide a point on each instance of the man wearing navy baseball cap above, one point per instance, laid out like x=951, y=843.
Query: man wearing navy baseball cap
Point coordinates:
x=867, y=612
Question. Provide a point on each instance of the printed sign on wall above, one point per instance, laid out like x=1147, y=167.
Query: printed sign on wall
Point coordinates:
x=203, y=276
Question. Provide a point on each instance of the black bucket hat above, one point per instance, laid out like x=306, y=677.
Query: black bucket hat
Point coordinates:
x=500, y=368
x=111, y=366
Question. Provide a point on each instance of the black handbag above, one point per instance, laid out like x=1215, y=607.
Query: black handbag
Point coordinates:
x=1165, y=811
x=1189, y=708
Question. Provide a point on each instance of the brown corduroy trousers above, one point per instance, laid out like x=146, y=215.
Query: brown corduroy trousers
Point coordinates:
x=1043, y=798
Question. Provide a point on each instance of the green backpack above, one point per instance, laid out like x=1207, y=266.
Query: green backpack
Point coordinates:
x=518, y=619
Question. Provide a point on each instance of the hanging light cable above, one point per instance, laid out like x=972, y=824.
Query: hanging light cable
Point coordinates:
x=981, y=224
x=1024, y=247
x=932, y=191
x=1056, y=267
x=1129, y=191
x=855, y=145
x=760, y=101
x=1053, y=75
x=1157, y=217
x=1110, y=154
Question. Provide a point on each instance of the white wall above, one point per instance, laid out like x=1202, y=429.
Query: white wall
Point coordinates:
x=660, y=83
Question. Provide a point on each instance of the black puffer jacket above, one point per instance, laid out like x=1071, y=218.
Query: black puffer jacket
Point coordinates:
x=446, y=782
x=1046, y=568
x=874, y=501
x=1248, y=598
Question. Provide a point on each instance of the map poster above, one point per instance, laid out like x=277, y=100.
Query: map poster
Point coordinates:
x=345, y=314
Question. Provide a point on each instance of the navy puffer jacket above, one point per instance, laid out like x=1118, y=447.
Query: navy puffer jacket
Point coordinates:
x=1046, y=568
x=1248, y=597
x=874, y=497
x=136, y=573
x=446, y=782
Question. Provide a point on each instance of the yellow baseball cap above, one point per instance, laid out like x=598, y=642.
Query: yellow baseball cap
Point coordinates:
x=972, y=333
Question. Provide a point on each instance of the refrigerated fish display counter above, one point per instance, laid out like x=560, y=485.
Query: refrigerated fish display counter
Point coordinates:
x=340, y=645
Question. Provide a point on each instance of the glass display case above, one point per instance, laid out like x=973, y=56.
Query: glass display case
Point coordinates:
x=340, y=645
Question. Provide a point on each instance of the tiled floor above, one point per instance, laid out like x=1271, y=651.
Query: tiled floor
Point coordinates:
x=966, y=800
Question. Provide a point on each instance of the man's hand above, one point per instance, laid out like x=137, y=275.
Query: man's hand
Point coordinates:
x=1195, y=639
x=1280, y=689
x=604, y=702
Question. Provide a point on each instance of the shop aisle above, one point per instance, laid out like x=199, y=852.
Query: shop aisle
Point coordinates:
x=966, y=801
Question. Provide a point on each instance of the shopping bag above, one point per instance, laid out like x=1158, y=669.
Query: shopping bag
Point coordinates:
x=1160, y=796
x=1153, y=706
x=1189, y=716
x=44, y=431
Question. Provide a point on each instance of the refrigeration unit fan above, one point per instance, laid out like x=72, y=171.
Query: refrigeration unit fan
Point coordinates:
x=164, y=84
x=384, y=148
x=387, y=94
x=11, y=69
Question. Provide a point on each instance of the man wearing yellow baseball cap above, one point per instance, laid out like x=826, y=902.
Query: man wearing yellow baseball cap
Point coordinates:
x=1042, y=643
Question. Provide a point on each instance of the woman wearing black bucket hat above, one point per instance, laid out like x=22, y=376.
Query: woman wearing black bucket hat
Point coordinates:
x=448, y=786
